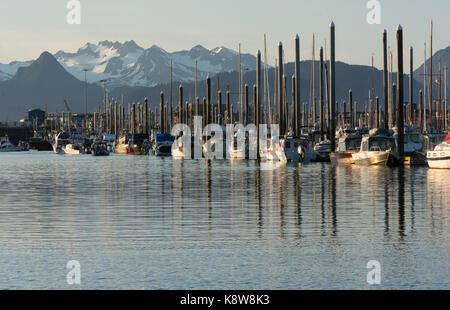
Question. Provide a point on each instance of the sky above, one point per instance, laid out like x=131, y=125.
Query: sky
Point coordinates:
x=30, y=27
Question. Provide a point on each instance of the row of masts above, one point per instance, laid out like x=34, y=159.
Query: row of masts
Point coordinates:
x=389, y=111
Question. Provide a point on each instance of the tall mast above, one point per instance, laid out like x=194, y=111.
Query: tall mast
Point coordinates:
x=195, y=81
x=445, y=97
x=266, y=83
x=170, y=95
x=425, y=87
x=275, y=89
x=440, y=97
x=313, y=102
x=431, y=78
x=385, y=81
x=240, y=86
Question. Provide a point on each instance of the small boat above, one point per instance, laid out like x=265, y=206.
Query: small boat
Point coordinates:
x=440, y=157
x=71, y=149
x=347, y=146
x=7, y=146
x=109, y=141
x=162, y=145
x=139, y=144
x=100, y=148
x=122, y=146
x=323, y=150
x=414, y=149
x=288, y=149
x=38, y=143
x=292, y=147
x=379, y=148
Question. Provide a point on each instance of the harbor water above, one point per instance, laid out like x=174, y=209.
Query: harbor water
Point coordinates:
x=144, y=222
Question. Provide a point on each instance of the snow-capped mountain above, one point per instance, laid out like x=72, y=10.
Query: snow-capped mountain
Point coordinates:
x=128, y=64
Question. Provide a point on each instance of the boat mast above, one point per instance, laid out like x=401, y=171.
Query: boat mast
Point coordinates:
x=171, y=89
x=195, y=81
x=275, y=89
x=445, y=97
x=266, y=84
x=425, y=87
x=431, y=78
x=313, y=102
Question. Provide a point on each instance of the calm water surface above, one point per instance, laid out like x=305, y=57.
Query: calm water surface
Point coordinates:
x=153, y=223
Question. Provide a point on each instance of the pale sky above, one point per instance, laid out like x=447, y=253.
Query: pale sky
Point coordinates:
x=30, y=27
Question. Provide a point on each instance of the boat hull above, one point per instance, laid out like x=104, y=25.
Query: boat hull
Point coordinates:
x=342, y=158
x=439, y=159
x=371, y=158
x=40, y=145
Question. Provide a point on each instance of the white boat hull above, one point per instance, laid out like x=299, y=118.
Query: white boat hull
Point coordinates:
x=439, y=159
x=372, y=158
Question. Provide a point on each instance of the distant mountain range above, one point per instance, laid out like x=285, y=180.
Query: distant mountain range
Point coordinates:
x=128, y=64
x=47, y=81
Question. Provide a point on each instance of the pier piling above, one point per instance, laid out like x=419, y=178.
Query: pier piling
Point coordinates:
x=321, y=103
x=385, y=82
x=400, y=121
x=332, y=87
x=297, y=108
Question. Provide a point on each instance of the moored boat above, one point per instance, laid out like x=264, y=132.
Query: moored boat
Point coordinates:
x=162, y=146
x=38, y=143
x=323, y=150
x=122, y=146
x=347, y=146
x=440, y=157
x=71, y=149
x=9, y=147
x=379, y=148
x=99, y=148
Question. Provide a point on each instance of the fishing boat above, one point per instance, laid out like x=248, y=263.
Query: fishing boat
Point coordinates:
x=292, y=147
x=162, y=145
x=323, y=150
x=71, y=149
x=100, y=148
x=440, y=157
x=348, y=144
x=288, y=149
x=38, y=143
x=7, y=146
x=109, y=140
x=414, y=147
x=379, y=148
x=122, y=146
x=139, y=144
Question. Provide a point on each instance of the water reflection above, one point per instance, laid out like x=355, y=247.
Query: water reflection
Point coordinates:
x=159, y=204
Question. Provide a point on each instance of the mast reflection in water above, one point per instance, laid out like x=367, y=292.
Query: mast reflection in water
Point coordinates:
x=146, y=222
